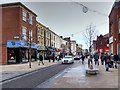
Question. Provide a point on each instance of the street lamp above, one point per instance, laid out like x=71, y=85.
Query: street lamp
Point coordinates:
x=29, y=50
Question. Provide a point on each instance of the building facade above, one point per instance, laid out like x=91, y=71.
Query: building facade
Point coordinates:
x=68, y=45
x=102, y=43
x=40, y=38
x=79, y=49
x=73, y=47
x=18, y=32
x=114, y=28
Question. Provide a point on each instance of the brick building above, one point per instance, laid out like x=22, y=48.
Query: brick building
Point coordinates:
x=102, y=43
x=114, y=28
x=18, y=30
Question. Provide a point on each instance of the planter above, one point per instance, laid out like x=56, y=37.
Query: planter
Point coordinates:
x=118, y=62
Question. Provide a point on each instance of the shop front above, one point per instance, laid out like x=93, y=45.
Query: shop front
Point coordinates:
x=18, y=51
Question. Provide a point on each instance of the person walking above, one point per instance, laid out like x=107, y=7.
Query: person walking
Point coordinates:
x=107, y=61
x=82, y=57
x=53, y=57
x=112, y=60
x=90, y=62
x=49, y=57
x=102, y=58
x=115, y=60
x=96, y=57
x=40, y=59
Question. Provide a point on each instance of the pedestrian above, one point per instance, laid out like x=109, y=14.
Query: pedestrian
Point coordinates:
x=96, y=57
x=116, y=57
x=102, y=58
x=90, y=62
x=48, y=57
x=112, y=60
x=107, y=61
x=82, y=57
x=40, y=59
x=53, y=57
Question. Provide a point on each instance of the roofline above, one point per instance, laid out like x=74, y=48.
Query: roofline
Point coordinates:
x=114, y=6
x=17, y=4
x=37, y=22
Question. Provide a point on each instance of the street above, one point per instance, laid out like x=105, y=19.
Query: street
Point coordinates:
x=59, y=44
x=76, y=77
x=33, y=79
x=65, y=76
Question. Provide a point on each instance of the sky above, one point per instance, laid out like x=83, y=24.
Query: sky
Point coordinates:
x=66, y=18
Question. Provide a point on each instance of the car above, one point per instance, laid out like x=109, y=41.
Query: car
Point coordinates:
x=77, y=57
x=67, y=59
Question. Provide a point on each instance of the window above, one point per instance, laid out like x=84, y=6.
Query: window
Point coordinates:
x=24, y=33
x=119, y=25
x=24, y=15
x=30, y=19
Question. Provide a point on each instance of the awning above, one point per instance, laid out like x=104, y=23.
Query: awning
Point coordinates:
x=20, y=44
x=39, y=47
x=17, y=44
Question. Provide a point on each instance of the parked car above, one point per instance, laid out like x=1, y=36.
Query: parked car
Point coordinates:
x=68, y=59
x=77, y=57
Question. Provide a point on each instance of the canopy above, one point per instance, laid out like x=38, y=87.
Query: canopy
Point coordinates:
x=20, y=43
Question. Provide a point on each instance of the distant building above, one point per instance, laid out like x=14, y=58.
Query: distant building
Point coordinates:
x=68, y=44
x=114, y=28
x=79, y=49
x=73, y=47
x=102, y=43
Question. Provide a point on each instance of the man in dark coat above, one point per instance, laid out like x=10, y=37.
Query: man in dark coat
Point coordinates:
x=102, y=58
x=96, y=57
x=82, y=57
x=40, y=59
x=116, y=59
x=107, y=61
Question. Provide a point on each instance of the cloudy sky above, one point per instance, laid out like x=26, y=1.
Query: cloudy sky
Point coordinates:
x=67, y=18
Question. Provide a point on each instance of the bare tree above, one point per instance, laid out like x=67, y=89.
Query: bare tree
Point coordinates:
x=89, y=34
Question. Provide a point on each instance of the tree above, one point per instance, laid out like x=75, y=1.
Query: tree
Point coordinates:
x=89, y=34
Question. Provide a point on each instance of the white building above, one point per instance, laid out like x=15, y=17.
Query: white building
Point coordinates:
x=73, y=47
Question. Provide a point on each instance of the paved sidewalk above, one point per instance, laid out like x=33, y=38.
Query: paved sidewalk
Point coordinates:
x=10, y=71
x=76, y=77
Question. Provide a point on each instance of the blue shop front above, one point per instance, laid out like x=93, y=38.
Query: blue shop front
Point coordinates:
x=18, y=51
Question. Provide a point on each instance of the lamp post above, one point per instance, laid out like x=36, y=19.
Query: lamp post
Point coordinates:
x=30, y=44
x=30, y=49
